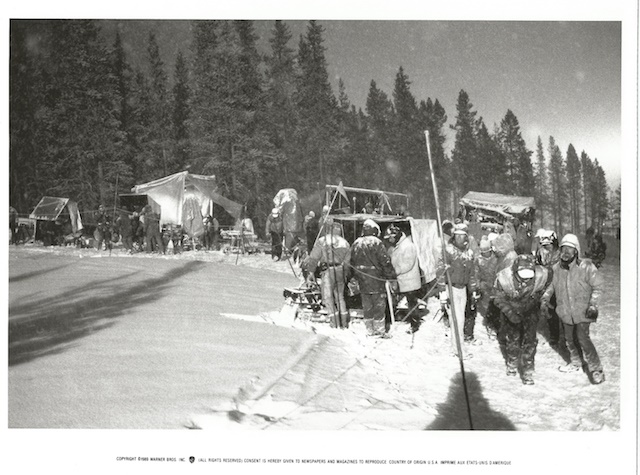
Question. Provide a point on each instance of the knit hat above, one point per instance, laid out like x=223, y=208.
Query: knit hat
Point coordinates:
x=485, y=244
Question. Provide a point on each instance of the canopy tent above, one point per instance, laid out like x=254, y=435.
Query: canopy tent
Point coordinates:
x=504, y=205
x=51, y=208
x=185, y=198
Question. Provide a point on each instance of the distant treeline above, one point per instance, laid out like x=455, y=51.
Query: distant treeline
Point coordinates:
x=83, y=119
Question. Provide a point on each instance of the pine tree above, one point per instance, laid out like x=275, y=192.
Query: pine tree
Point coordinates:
x=433, y=119
x=25, y=98
x=587, y=182
x=599, y=196
x=203, y=132
x=380, y=118
x=82, y=158
x=346, y=121
x=616, y=208
x=490, y=175
x=463, y=157
x=408, y=143
x=316, y=140
x=557, y=185
x=158, y=140
x=280, y=92
x=541, y=192
x=574, y=193
x=123, y=74
x=519, y=170
x=257, y=156
x=181, y=96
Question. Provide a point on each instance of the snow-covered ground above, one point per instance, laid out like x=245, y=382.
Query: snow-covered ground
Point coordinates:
x=198, y=340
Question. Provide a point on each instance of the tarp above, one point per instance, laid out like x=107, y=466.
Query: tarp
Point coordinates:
x=286, y=200
x=199, y=191
x=502, y=204
x=424, y=233
x=50, y=208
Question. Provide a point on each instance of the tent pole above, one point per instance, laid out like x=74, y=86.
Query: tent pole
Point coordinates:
x=456, y=334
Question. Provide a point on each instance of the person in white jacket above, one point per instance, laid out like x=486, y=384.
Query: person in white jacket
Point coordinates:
x=404, y=258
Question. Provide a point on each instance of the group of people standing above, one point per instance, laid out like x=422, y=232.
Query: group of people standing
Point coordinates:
x=511, y=290
x=141, y=231
x=385, y=268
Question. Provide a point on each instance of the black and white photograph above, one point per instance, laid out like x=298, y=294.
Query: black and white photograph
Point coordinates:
x=349, y=237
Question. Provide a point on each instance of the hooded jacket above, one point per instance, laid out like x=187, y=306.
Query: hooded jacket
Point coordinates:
x=371, y=264
x=462, y=269
x=575, y=288
x=333, y=250
x=515, y=298
x=273, y=225
x=504, y=249
x=404, y=258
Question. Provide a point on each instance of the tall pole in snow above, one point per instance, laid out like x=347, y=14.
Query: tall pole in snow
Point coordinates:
x=449, y=287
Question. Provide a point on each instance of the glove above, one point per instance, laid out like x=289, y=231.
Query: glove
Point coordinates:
x=395, y=288
x=592, y=313
x=544, y=311
x=513, y=316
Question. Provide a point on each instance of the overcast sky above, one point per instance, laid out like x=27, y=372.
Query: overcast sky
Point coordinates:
x=559, y=78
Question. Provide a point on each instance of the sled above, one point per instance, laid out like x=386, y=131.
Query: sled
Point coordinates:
x=304, y=302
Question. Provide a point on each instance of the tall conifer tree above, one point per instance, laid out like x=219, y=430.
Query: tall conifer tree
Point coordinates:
x=463, y=157
x=181, y=97
x=541, y=193
x=557, y=185
x=281, y=89
x=317, y=131
x=574, y=192
x=380, y=118
x=519, y=170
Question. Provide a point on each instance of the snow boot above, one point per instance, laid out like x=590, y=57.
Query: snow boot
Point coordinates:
x=511, y=371
x=597, y=377
x=527, y=379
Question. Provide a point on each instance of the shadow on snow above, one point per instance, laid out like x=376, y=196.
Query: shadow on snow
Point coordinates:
x=453, y=415
x=48, y=325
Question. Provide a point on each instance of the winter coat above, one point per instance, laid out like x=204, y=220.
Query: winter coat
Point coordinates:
x=462, y=270
x=371, y=264
x=504, y=249
x=518, y=299
x=274, y=225
x=575, y=289
x=330, y=250
x=123, y=224
x=404, y=258
x=486, y=273
x=103, y=222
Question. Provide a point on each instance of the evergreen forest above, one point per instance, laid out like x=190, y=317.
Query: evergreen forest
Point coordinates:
x=86, y=123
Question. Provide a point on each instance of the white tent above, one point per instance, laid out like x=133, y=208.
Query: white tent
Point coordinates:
x=185, y=198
